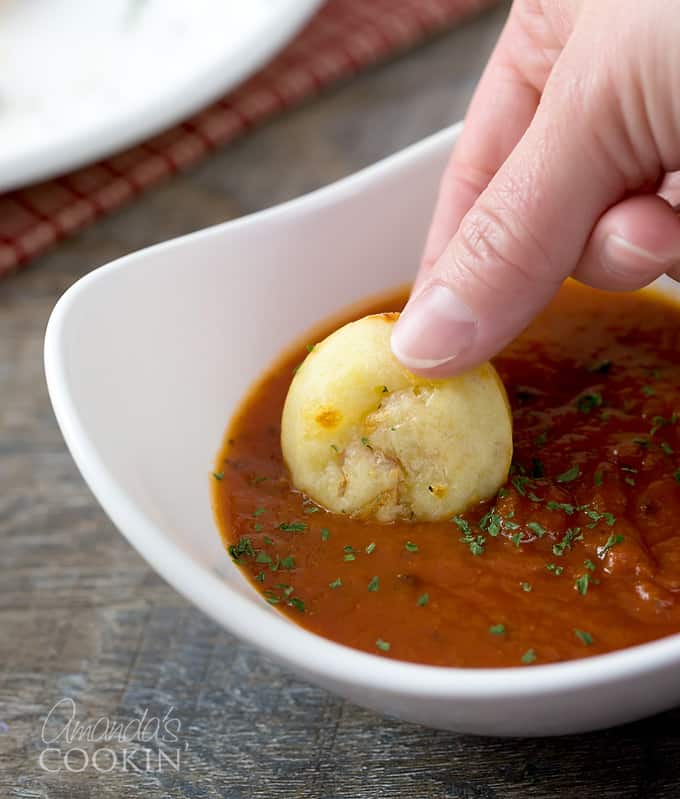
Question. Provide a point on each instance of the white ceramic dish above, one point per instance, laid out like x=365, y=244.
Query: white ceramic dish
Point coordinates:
x=80, y=79
x=148, y=357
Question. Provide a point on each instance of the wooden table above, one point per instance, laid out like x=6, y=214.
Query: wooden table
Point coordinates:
x=82, y=616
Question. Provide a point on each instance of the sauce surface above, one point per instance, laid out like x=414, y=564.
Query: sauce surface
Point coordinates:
x=579, y=553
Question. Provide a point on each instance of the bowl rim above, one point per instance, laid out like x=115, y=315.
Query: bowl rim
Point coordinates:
x=255, y=622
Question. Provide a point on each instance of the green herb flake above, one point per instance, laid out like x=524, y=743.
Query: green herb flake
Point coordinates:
x=263, y=557
x=293, y=527
x=597, y=479
x=296, y=603
x=348, y=557
x=648, y=391
x=566, y=543
x=325, y=534
x=288, y=562
x=383, y=646
x=335, y=584
x=527, y=587
x=243, y=548
x=370, y=548
x=463, y=525
x=589, y=565
x=374, y=584
x=570, y=475
x=528, y=657
x=309, y=347
x=554, y=568
x=422, y=600
x=334, y=447
x=629, y=481
x=583, y=583
x=534, y=498
x=520, y=482
x=502, y=493
x=218, y=475
x=666, y=447
x=267, y=540
x=612, y=541
x=536, y=528
x=366, y=442
x=564, y=506
x=588, y=402
x=409, y=546
x=312, y=509
x=258, y=527
x=516, y=539
x=584, y=637
x=260, y=577
x=497, y=629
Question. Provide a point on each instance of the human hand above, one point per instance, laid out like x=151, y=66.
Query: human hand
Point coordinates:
x=564, y=167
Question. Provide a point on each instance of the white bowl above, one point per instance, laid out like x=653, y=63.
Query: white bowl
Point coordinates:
x=148, y=357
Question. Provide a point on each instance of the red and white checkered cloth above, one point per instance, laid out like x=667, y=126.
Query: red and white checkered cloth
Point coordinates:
x=345, y=37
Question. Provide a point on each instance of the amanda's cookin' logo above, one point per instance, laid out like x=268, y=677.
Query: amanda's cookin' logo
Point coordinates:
x=144, y=743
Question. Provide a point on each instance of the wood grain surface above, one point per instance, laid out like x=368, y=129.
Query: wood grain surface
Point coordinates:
x=82, y=616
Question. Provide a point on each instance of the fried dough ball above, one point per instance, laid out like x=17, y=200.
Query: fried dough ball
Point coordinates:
x=363, y=436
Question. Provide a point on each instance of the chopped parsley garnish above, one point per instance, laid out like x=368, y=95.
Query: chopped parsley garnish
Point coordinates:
x=585, y=637
x=520, y=482
x=312, y=509
x=529, y=656
x=570, y=475
x=609, y=518
x=490, y=523
x=348, y=557
x=462, y=524
x=258, y=527
x=571, y=535
x=366, y=442
x=259, y=511
x=325, y=534
x=597, y=478
x=288, y=562
x=612, y=541
x=589, y=565
x=502, y=493
x=374, y=583
x=588, y=402
x=244, y=548
x=260, y=577
x=409, y=546
x=565, y=506
x=583, y=583
x=516, y=539
x=554, y=568
x=497, y=629
x=666, y=447
x=422, y=600
x=296, y=603
x=293, y=527
x=383, y=646
x=534, y=498
x=335, y=584
x=267, y=540
x=309, y=347
x=370, y=548
x=263, y=557
x=526, y=587
x=629, y=481
x=272, y=599
x=641, y=442
x=218, y=475
x=536, y=528
x=648, y=391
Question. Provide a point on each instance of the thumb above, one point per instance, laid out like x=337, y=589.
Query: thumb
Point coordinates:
x=516, y=245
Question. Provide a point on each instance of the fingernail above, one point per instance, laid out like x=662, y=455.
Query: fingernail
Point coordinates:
x=434, y=328
x=621, y=256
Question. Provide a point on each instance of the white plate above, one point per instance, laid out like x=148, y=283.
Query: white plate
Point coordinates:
x=148, y=357
x=80, y=79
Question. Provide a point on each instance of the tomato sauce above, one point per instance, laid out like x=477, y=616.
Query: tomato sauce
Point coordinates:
x=579, y=553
